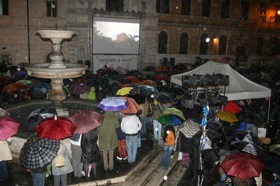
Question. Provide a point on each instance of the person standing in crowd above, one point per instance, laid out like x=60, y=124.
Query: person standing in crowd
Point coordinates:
x=60, y=172
x=157, y=111
x=90, y=152
x=5, y=156
x=108, y=140
x=76, y=150
x=131, y=125
x=168, y=145
x=145, y=118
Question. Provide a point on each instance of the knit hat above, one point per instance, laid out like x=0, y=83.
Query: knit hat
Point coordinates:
x=190, y=128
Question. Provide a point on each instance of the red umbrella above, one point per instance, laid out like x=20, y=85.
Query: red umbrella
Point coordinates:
x=232, y=107
x=55, y=128
x=8, y=127
x=79, y=86
x=13, y=87
x=132, y=107
x=242, y=165
x=86, y=120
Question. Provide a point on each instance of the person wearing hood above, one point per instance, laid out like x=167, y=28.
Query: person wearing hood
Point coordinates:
x=108, y=140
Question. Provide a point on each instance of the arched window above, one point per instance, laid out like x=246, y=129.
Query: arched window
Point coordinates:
x=184, y=43
x=203, y=44
x=225, y=8
x=186, y=7
x=259, y=47
x=162, y=42
x=162, y=6
x=222, y=44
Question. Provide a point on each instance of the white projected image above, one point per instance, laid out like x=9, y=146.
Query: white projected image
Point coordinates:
x=115, y=36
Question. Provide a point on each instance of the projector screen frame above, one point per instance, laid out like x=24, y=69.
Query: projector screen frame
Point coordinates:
x=128, y=41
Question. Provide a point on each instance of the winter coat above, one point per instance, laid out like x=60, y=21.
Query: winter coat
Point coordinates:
x=67, y=168
x=131, y=124
x=5, y=151
x=108, y=140
x=90, y=149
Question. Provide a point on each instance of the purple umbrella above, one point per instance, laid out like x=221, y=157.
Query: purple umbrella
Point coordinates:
x=113, y=104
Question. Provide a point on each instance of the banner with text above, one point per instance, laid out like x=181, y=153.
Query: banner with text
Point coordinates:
x=113, y=61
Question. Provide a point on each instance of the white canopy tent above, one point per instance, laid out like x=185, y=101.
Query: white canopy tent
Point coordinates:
x=239, y=87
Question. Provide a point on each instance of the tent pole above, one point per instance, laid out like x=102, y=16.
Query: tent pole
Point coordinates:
x=268, y=110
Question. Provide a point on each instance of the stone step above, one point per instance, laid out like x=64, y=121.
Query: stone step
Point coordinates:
x=173, y=175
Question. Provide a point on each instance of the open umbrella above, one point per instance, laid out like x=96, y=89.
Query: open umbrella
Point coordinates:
x=8, y=127
x=123, y=91
x=242, y=165
x=174, y=111
x=275, y=149
x=163, y=97
x=226, y=116
x=170, y=120
x=144, y=90
x=138, y=98
x=55, y=128
x=132, y=106
x=113, y=104
x=36, y=116
x=232, y=107
x=247, y=147
x=86, y=120
x=38, y=152
x=148, y=82
x=248, y=137
x=13, y=87
x=190, y=128
x=79, y=86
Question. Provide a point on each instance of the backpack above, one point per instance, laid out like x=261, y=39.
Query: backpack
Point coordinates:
x=169, y=135
x=59, y=160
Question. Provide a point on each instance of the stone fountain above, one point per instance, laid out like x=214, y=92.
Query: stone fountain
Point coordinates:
x=56, y=70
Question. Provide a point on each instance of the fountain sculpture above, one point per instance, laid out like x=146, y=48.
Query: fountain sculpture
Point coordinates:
x=56, y=70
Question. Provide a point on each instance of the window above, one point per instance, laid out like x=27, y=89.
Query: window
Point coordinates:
x=244, y=9
x=114, y=5
x=162, y=6
x=186, y=7
x=275, y=46
x=203, y=44
x=162, y=42
x=4, y=7
x=222, y=44
x=225, y=8
x=184, y=43
x=206, y=8
x=259, y=47
x=263, y=8
x=52, y=8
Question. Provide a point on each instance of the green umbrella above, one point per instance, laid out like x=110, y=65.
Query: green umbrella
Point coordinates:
x=25, y=81
x=174, y=111
x=275, y=149
x=165, y=120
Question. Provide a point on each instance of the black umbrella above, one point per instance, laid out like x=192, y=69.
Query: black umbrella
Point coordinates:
x=36, y=116
x=38, y=152
x=248, y=137
x=163, y=97
x=272, y=164
x=144, y=90
x=247, y=147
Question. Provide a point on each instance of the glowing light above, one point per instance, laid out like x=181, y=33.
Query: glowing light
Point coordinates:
x=207, y=39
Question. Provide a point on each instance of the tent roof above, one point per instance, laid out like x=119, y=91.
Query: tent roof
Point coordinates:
x=239, y=87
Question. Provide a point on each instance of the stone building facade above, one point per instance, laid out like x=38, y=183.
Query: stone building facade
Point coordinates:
x=169, y=29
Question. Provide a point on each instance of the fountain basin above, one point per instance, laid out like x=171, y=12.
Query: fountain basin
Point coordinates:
x=43, y=71
x=56, y=34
